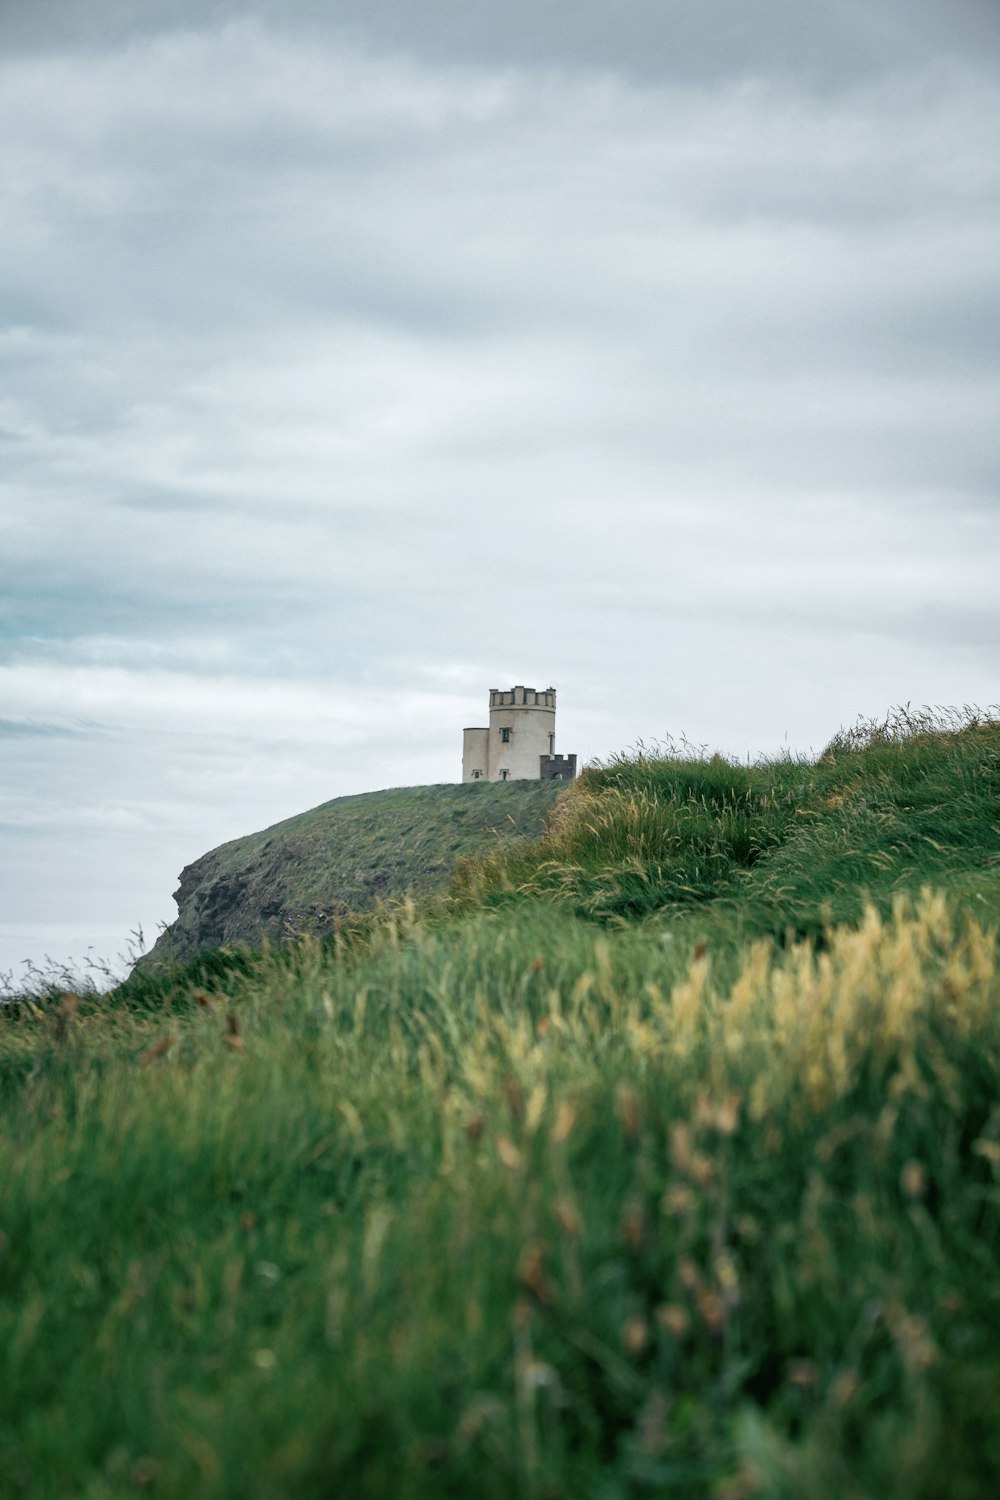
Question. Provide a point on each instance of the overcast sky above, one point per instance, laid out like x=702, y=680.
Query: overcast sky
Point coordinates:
x=356, y=358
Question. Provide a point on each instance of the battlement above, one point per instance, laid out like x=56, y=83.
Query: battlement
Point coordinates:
x=556, y=767
x=522, y=697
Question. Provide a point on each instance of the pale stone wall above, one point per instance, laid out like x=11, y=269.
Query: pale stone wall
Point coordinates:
x=476, y=755
x=522, y=728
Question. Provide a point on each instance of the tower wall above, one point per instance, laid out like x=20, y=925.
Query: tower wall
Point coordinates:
x=522, y=728
x=475, y=755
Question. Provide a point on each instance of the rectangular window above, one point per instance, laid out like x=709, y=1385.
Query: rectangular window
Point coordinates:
x=504, y=775
x=477, y=775
x=505, y=736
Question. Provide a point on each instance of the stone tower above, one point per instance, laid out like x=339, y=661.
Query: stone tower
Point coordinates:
x=520, y=743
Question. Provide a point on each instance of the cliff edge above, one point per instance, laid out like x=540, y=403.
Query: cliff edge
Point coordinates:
x=305, y=872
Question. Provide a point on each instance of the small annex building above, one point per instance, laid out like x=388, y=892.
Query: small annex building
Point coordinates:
x=520, y=742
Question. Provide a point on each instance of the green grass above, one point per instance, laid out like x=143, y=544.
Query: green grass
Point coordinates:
x=504, y=1201
x=781, y=845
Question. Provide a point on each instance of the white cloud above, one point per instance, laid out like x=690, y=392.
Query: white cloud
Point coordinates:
x=343, y=381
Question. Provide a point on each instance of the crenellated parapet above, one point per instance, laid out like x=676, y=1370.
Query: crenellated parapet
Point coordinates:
x=557, y=767
x=522, y=697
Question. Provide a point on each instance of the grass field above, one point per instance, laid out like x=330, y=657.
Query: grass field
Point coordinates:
x=664, y=1159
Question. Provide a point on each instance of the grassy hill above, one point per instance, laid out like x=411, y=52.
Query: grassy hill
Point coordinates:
x=306, y=872
x=780, y=846
x=660, y=1161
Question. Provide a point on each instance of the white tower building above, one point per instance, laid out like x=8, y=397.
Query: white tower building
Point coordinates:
x=520, y=743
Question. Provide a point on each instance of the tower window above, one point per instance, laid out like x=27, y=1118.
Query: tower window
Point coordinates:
x=504, y=775
x=505, y=736
x=477, y=775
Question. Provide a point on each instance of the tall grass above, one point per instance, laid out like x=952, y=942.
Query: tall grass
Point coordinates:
x=511, y=1206
x=789, y=845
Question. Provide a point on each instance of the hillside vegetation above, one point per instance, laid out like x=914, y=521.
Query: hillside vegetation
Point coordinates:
x=591, y=1182
x=306, y=873
x=781, y=845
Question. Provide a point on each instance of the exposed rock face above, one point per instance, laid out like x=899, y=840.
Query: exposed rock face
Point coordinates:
x=306, y=872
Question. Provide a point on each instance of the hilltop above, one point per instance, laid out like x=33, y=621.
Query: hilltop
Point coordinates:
x=783, y=847
x=302, y=874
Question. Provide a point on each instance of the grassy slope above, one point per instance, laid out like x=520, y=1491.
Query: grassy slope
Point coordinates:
x=513, y=1203
x=780, y=845
x=309, y=870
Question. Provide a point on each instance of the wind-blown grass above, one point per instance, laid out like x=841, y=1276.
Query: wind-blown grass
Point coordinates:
x=502, y=1207
x=786, y=845
x=497, y=1199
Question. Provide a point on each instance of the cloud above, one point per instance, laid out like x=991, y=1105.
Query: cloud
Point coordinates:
x=31, y=729
x=830, y=44
x=354, y=363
